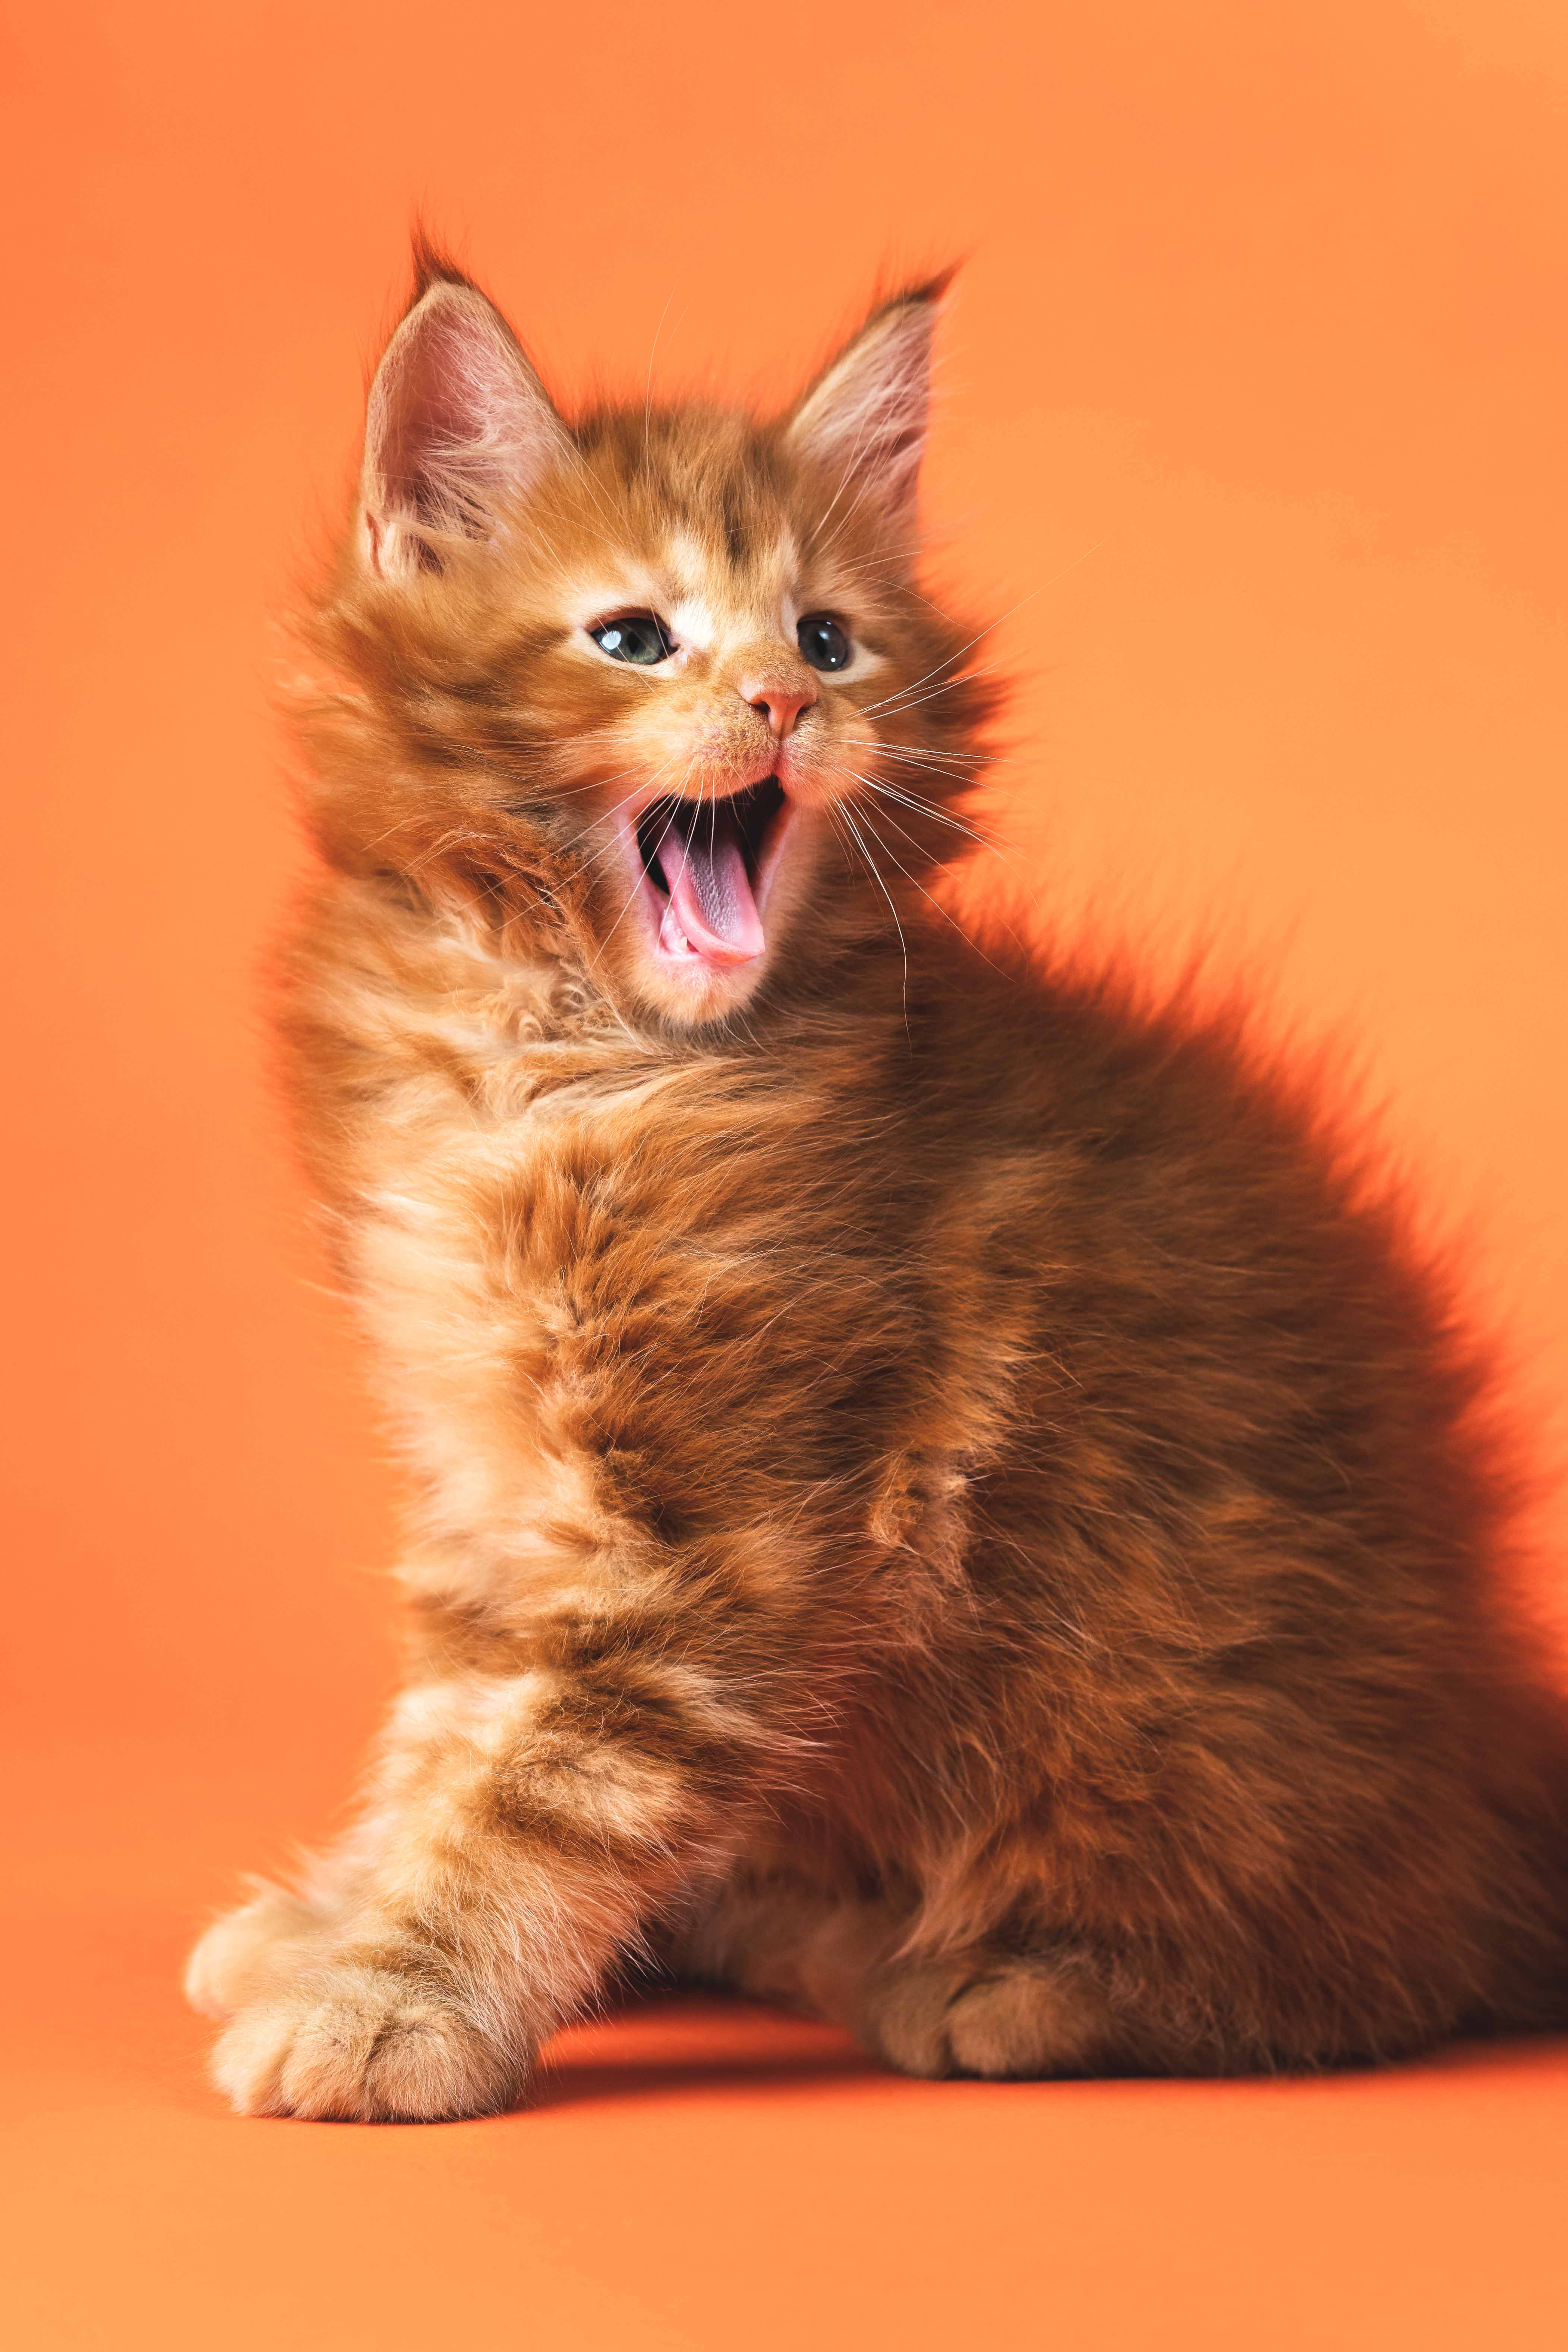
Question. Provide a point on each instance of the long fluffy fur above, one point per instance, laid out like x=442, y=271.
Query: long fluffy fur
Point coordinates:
x=941, y=1494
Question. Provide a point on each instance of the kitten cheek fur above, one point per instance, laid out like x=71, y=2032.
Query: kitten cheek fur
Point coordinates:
x=941, y=1493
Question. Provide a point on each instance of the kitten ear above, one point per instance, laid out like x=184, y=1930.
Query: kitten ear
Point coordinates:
x=864, y=417
x=457, y=420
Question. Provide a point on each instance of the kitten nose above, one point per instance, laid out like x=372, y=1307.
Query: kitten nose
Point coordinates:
x=780, y=700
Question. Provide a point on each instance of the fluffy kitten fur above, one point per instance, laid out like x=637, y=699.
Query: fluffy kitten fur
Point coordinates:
x=940, y=1497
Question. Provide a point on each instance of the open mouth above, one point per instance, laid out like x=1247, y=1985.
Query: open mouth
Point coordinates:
x=708, y=862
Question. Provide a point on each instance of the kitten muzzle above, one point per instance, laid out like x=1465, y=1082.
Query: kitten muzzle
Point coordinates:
x=704, y=856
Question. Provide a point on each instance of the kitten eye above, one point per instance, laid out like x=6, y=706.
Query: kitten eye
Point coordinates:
x=823, y=642
x=639, y=637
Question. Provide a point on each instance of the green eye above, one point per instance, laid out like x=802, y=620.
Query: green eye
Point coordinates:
x=823, y=642
x=639, y=637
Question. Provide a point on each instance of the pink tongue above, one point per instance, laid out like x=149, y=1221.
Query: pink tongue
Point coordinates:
x=712, y=911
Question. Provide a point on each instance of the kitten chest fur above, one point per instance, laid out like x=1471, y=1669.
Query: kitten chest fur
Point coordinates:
x=580, y=1255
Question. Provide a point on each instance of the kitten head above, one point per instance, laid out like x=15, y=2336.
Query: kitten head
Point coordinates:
x=652, y=691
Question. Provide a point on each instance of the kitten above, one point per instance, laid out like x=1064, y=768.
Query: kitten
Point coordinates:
x=940, y=1499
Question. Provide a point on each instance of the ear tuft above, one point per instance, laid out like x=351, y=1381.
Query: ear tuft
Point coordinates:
x=458, y=422
x=865, y=418
x=433, y=265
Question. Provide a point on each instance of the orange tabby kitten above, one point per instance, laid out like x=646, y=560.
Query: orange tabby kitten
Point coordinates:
x=940, y=1497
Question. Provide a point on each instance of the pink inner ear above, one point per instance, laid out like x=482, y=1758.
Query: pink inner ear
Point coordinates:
x=436, y=418
x=866, y=417
x=457, y=415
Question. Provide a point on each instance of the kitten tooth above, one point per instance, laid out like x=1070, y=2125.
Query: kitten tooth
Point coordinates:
x=672, y=938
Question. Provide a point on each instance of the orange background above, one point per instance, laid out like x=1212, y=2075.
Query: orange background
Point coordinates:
x=1253, y=407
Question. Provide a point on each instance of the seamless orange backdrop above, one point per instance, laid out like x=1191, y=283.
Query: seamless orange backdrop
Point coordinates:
x=1253, y=422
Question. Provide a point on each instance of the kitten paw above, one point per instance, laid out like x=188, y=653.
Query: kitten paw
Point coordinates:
x=364, y=2044
x=1009, y=2020
x=241, y=1957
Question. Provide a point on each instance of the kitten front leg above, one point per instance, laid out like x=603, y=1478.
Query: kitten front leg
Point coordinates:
x=526, y=1826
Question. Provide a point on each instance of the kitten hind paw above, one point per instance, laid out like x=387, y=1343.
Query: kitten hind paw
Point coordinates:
x=365, y=2045
x=1001, y=2019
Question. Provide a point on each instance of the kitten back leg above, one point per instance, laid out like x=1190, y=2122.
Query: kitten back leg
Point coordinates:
x=839, y=1956
x=780, y=1938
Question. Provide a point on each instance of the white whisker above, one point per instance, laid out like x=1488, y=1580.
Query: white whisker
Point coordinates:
x=843, y=810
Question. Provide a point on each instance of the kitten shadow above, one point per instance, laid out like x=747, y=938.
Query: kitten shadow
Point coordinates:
x=678, y=2047
x=681, y=2047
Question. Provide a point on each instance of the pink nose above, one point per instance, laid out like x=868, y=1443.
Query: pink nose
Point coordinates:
x=780, y=701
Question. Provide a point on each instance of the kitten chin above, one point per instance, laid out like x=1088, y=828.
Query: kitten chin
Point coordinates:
x=936, y=1495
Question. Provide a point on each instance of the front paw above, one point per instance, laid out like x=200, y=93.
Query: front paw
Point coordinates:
x=358, y=2043
x=251, y=1951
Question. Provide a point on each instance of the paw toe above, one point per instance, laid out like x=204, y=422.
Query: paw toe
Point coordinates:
x=363, y=2044
x=1019, y=2022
